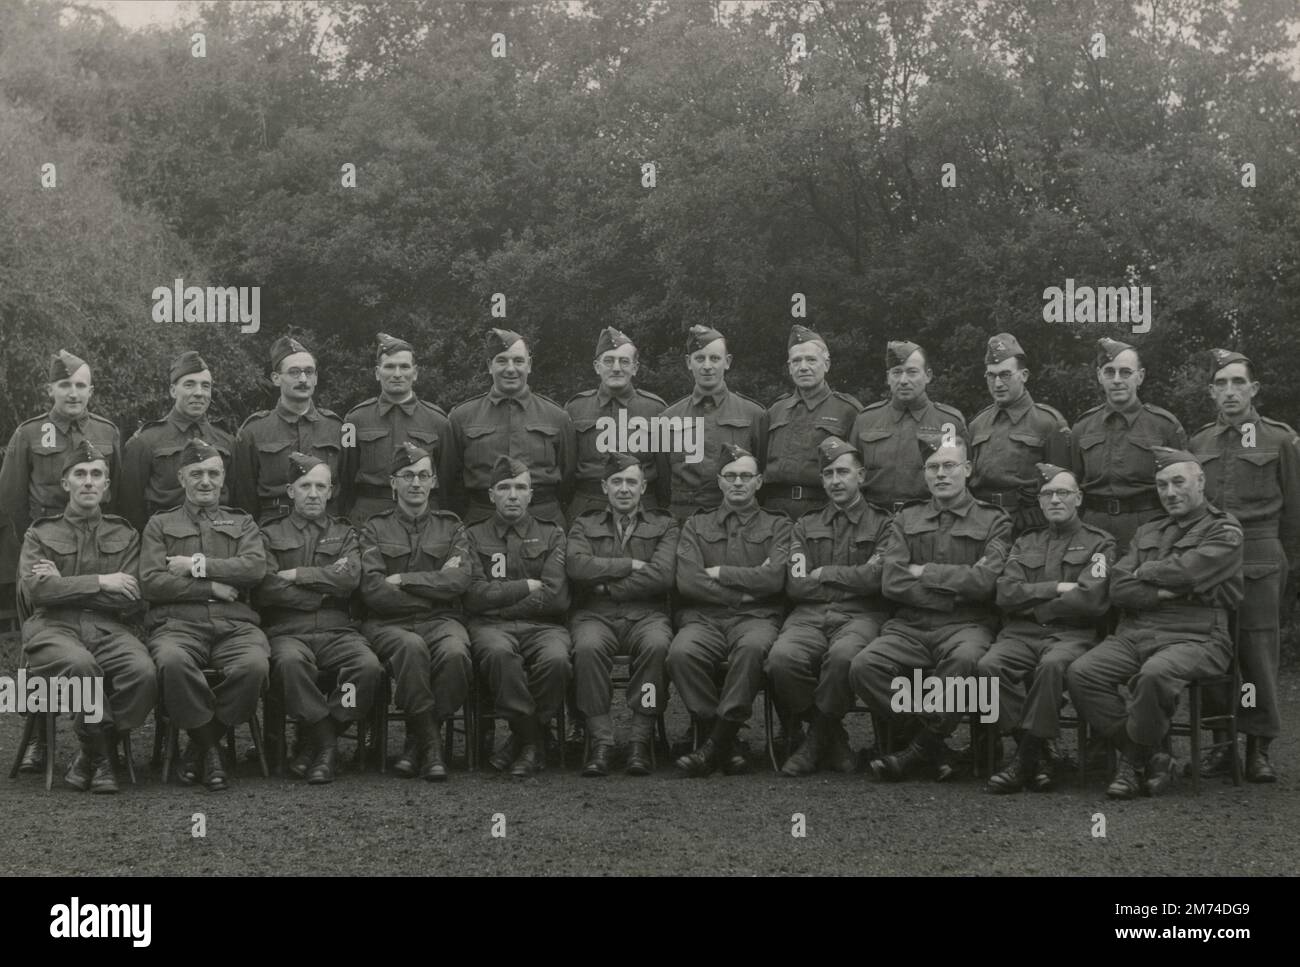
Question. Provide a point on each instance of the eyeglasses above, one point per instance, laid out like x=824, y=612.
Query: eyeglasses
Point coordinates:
x=1005, y=376
x=911, y=373
x=948, y=466
x=407, y=478
x=732, y=478
x=1110, y=372
x=301, y=372
x=1059, y=494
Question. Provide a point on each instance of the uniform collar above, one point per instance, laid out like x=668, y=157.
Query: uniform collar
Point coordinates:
x=408, y=407
x=1193, y=517
x=961, y=507
x=65, y=423
x=916, y=407
x=407, y=519
x=613, y=515
x=853, y=512
x=603, y=395
x=744, y=516
x=77, y=519
x=501, y=526
x=495, y=396
x=302, y=523
x=201, y=513
x=312, y=414
x=719, y=395
x=1222, y=423
x=1068, y=529
x=1130, y=413
x=184, y=424
x=1019, y=408
x=814, y=399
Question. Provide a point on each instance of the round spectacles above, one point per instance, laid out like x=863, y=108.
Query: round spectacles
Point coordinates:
x=407, y=478
x=732, y=478
x=1061, y=494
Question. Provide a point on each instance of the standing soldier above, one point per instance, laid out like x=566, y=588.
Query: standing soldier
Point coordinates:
x=1012, y=435
x=730, y=574
x=511, y=419
x=1052, y=591
x=1110, y=447
x=31, y=476
x=518, y=596
x=942, y=561
x=150, y=459
x=1252, y=471
x=382, y=424
x=198, y=564
x=416, y=566
x=834, y=580
x=722, y=417
x=886, y=432
x=1176, y=583
x=79, y=572
x=313, y=566
x=615, y=363
x=798, y=423
x=621, y=561
x=295, y=425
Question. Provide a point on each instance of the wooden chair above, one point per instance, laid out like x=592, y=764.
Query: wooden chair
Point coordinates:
x=167, y=736
x=385, y=712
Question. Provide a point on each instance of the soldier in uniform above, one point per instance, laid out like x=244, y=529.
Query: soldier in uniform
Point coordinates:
x=198, y=563
x=1252, y=471
x=730, y=573
x=517, y=600
x=1013, y=434
x=726, y=418
x=942, y=560
x=382, y=424
x=798, y=423
x=295, y=425
x=313, y=566
x=834, y=580
x=1110, y=446
x=416, y=565
x=79, y=572
x=149, y=459
x=621, y=561
x=886, y=432
x=1053, y=591
x=31, y=476
x=1175, y=584
x=616, y=364
x=511, y=419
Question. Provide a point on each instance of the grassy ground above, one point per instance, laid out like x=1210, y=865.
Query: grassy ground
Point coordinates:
x=559, y=823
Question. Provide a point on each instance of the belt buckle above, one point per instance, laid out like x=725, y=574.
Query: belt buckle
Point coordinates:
x=796, y=493
x=1112, y=506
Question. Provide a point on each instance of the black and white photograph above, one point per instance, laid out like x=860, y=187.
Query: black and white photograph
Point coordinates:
x=652, y=438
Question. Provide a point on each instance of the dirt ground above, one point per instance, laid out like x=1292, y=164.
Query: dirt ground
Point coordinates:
x=559, y=823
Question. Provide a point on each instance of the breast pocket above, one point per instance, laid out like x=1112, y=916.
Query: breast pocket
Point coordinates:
x=427, y=440
x=534, y=558
x=63, y=554
x=395, y=556
x=47, y=462
x=735, y=429
x=1258, y=473
x=433, y=551
x=482, y=447
x=872, y=444
x=376, y=449
x=1074, y=561
x=273, y=461
x=541, y=443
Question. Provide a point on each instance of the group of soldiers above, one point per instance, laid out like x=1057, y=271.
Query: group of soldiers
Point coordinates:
x=818, y=547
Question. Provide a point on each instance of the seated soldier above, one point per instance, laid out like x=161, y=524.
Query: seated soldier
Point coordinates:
x=415, y=567
x=78, y=570
x=730, y=573
x=1175, y=584
x=942, y=560
x=198, y=563
x=621, y=561
x=1053, y=592
x=517, y=600
x=834, y=580
x=314, y=565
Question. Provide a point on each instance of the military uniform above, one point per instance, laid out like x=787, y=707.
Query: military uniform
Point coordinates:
x=1160, y=645
x=729, y=418
x=262, y=448
x=946, y=619
x=1044, y=632
x=528, y=427
x=1260, y=487
x=190, y=629
x=796, y=425
x=1006, y=442
x=416, y=627
x=151, y=459
x=308, y=619
x=715, y=622
x=886, y=434
x=518, y=638
x=78, y=629
x=381, y=426
x=619, y=610
x=585, y=410
x=835, y=617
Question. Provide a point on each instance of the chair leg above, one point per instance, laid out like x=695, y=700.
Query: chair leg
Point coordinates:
x=171, y=743
x=29, y=726
x=130, y=760
x=1081, y=742
x=559, y=717
x=1194, y=709
x=255, y=729
x=230, y=747
x=663, y=736
x=159, y=733
x=51, y=720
